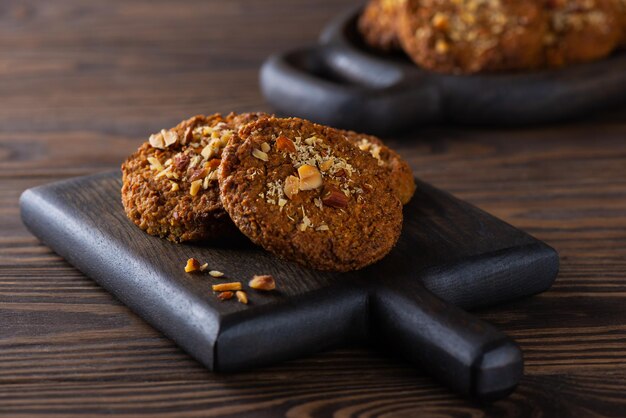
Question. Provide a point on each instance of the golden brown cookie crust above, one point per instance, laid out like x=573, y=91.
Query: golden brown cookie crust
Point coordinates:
x=170, y=190
x=343, y=216
x=470, y=36
x=378, y=24
x=581, y=30
x=400, y=174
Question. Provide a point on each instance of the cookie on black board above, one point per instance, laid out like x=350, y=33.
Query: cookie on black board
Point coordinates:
x=170, y=184
x=305, y=193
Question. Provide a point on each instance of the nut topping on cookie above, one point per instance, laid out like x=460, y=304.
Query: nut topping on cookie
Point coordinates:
x=310, y=177
x=292, y=186
x=334, y=197
x=257, y=153
x=195, y=187
x=285, y=144
x=310, y=205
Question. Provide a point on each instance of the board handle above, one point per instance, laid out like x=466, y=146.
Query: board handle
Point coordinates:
x=458, y=349
x=300, y=83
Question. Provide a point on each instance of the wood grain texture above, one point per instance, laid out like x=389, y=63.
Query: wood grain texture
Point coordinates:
x=84, y=82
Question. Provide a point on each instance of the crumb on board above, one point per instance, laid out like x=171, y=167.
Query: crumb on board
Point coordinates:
x=262, y=282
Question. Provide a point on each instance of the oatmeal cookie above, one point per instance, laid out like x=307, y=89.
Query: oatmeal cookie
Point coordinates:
x=470, y=36
x=378, y=23
x=399, y=171
x=581, y=30
x=170, y=184
x=305, y=193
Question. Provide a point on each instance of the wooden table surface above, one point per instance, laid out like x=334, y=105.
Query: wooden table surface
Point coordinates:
x=82, y=83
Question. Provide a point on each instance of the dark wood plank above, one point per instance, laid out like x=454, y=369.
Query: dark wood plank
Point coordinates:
x=84, y=82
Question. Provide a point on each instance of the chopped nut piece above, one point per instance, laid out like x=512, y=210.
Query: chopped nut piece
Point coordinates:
x=164, y=172
x=310, y=141
x=192, y=265
x=265, y=147
x=442, y=47
x=263, y=282
x=285, y=144
x=216, y=273
x=169, y=137
x=282, y=202
x=334, y=197
x=242, y=297
x=157, y=141
x=213, y=163
x=310, y=177
x=257, y=153
x=440, y=21
x=225, y=295
x=195, y=161
x=175, y=186
x=292, y=186
x=198, y=173
x=181, y=161
x=209, y=151
x=322, y=227
x=188, y=135
x=195, y=187
x=204, y=266
x=226, y=286
x=155, y=163
x=341, y=173
x=326, y=165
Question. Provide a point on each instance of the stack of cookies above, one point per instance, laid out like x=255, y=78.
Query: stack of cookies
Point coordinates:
x=326, y=198
x=471, y=36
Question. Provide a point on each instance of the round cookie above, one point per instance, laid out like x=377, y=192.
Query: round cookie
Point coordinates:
x=581, y=30
x=470, y=36
x=305, y=193
x=399, y=172
x=378, y=23
x=170, y=184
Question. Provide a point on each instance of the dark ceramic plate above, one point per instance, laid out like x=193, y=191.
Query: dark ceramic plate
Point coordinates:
x=341, y=82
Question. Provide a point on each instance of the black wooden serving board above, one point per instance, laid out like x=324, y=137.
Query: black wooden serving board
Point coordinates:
x=460, y=253
x=342, y=82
